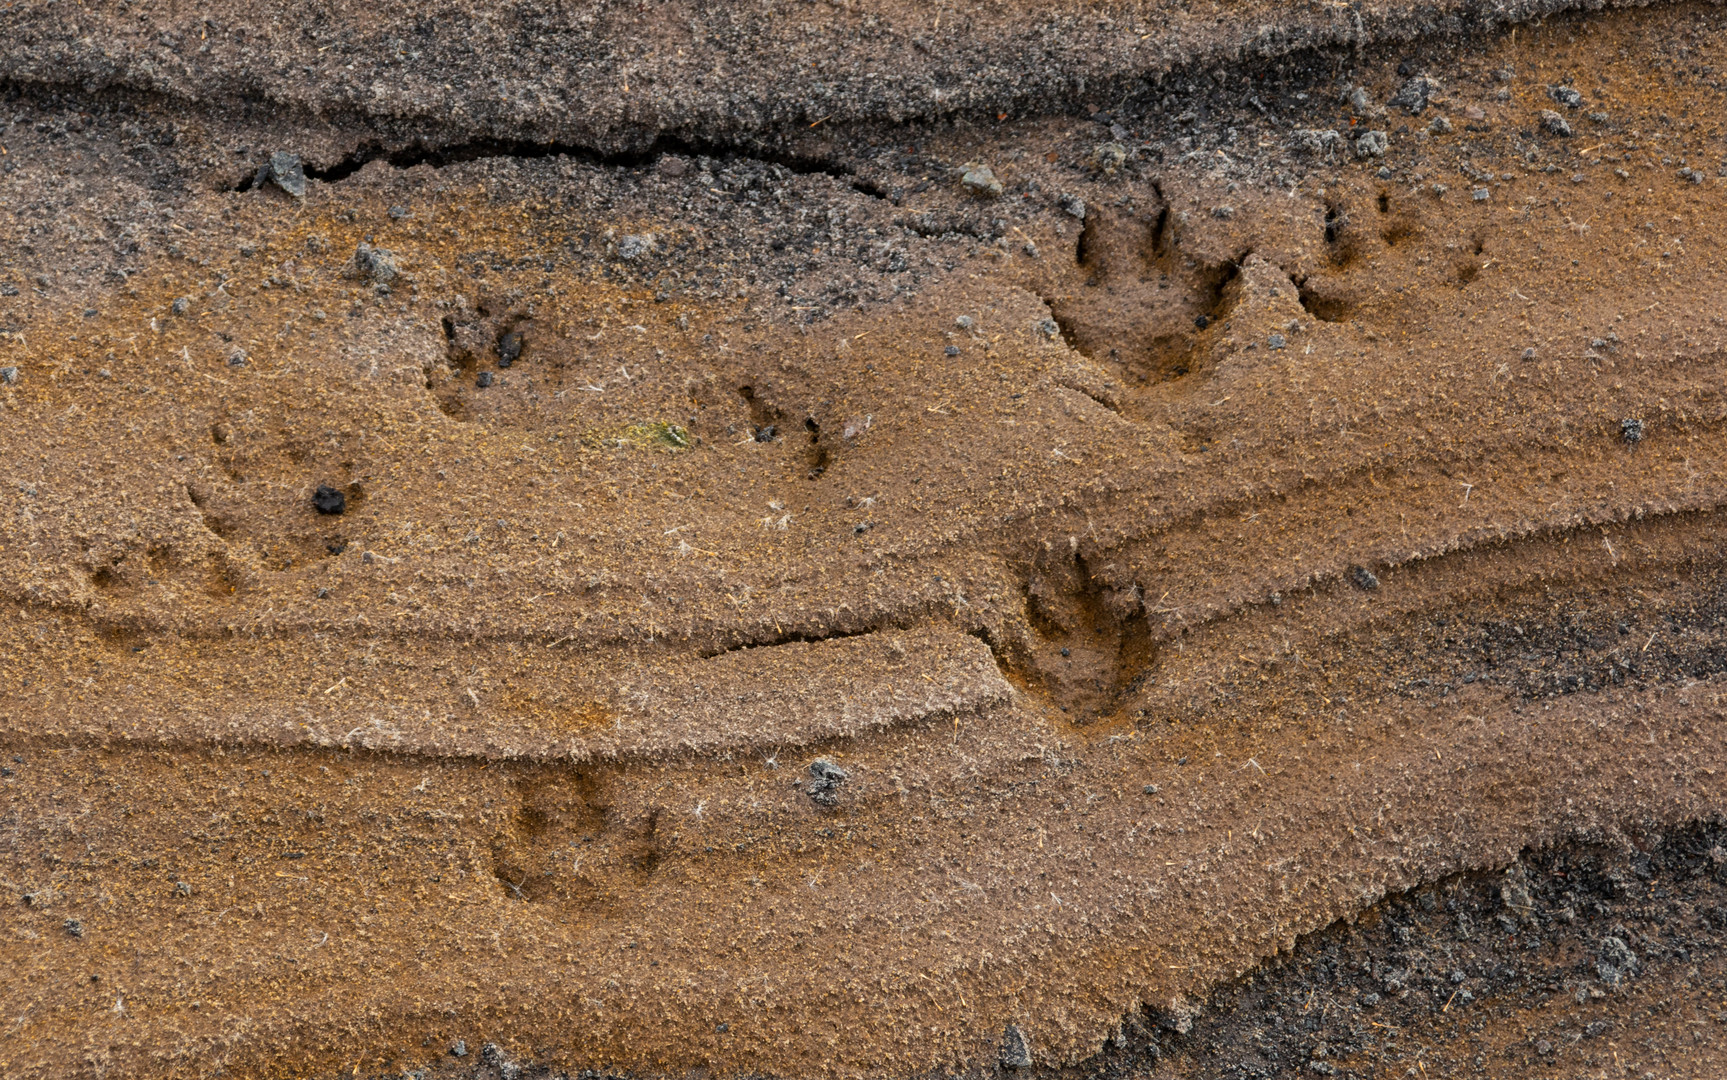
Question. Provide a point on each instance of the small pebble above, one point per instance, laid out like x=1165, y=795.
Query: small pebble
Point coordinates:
x=1202, y=321
x=825, y=781
x=1412, y=97
x=951, y=350
x=8, y=375
x=1372, y=144
x=460, y=1049
x=1565, y=96
x=964, y=322
x=981, y=180
x=1481, y=194
x=183, y=888
x=327, y=500
x=1275, y=341
x=1439, y=125
x=74, y=927
x=379, y=264
x=1015, y=1052
x=635, y=246
x=181, y=305
x=1631, y=430
x=285, y=171
x=1074, y=205
x=397, y=213
x=1554, y=124
x=767, y=433
x=1223, y=213
x=1529, y=354
x=1363, y=578
x=1150, y=789
x=509, y=349
x=483, y=379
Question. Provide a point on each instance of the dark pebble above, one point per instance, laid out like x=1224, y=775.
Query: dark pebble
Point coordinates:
x=1363, y=578
x=951, y=350
x=1015, y=1053
x=460, y=1049
x=181, y=305
x=74, y=927
x=1202, y=322
x=327, y=500
x=285, y=171
x=1631, y=430
x=483, y=379
x=509, y=349
x=767, y=433
x=397, y=213
x=825, y=781
x=1565, y=96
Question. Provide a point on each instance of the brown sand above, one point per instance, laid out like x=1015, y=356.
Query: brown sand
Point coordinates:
x=1208, y=536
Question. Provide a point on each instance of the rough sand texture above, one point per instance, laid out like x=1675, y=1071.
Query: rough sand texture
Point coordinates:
x=839, y=578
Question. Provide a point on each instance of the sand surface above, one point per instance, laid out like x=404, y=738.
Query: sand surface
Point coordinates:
x=873, y=540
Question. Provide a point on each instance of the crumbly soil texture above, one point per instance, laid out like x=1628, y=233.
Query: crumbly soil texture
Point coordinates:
x=836, y=540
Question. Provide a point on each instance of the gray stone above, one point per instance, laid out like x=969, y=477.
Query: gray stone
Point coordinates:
x=1412, y=97
x=634, y=246
x=376, y=264
x=825, y=781
x=1372, y=144
x=1319, y=142
x=1015, y=1051
x=287, y=173
x=980, y=179
x=1554, y=124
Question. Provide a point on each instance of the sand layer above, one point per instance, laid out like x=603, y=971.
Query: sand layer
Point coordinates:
x=887, y=542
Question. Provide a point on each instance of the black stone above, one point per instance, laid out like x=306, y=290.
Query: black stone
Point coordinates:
x=327, y=500
x=509, y=349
